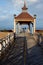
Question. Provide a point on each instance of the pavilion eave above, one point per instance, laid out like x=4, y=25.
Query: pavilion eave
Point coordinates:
x=24, y=20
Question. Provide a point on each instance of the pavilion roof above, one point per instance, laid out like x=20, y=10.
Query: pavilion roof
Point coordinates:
x=24, y=16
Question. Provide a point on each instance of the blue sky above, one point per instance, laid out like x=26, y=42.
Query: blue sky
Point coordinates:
x=10, y=7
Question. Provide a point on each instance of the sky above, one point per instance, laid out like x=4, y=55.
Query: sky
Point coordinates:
x=10, y=7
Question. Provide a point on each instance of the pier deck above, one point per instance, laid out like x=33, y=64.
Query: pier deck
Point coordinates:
x=24, y=51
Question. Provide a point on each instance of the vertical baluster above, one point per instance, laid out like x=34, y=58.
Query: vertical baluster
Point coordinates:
x=8, y=37
x=4, y=47
x=0, y=47
x=6, y=41
x=4, y=44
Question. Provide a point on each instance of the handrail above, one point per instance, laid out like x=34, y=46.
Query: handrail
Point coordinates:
x=5, y=42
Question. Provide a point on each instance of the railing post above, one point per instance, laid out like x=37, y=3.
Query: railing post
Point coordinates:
x=4, y=43
x=0, y=47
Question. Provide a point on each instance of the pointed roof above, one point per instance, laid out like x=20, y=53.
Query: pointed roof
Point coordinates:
x=24, y=15
x=24, y=7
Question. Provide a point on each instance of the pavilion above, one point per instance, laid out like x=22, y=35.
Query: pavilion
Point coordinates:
x=25, y=18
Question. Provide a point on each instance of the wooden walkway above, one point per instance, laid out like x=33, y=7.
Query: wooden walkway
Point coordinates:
x=24, y=51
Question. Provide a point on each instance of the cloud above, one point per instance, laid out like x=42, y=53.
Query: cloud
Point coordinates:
x=10, y=7
x=17, y=3
x=33, y=1
x=5, y=17
x=2, y=17
x=39, y=6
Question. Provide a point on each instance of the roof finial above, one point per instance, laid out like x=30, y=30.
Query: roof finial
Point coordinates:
x=24, y=7
x=24, y=2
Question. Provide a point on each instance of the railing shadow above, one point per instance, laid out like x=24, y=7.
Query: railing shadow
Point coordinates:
x=35, y=53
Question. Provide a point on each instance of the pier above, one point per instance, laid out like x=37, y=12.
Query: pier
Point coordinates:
x=24, y=50
x=24, y=46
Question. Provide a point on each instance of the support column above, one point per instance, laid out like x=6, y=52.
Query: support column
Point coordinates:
x=19, y=27
x=34, y=23
x=32, y=28
x=14, y=26
x=29, y=28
